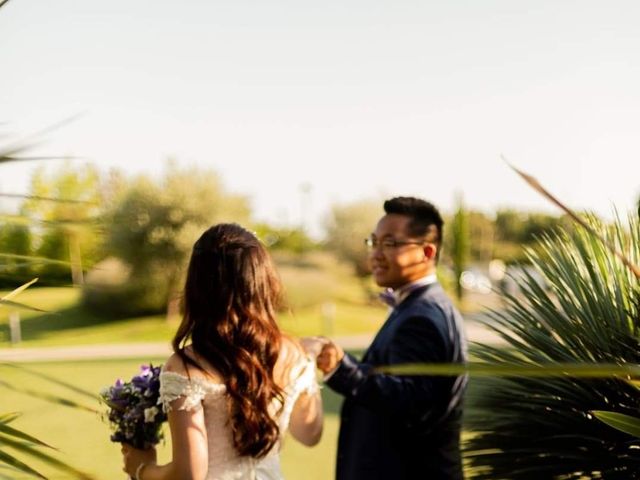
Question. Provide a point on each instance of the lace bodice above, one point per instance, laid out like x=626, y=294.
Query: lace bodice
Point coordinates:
x=224, y=462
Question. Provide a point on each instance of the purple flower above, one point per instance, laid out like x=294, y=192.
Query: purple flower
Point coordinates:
x=132, y=414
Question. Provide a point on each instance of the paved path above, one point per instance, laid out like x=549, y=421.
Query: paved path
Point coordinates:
x=475, y=332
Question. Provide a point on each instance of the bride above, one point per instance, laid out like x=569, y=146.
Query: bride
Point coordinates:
x=235, y=383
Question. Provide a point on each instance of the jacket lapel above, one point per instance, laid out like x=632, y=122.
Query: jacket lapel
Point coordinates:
x=381, y=336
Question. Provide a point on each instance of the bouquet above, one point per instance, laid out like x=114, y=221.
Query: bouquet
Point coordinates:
x=134, y=413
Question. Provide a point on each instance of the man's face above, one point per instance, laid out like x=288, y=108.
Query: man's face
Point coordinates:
x=395, y=266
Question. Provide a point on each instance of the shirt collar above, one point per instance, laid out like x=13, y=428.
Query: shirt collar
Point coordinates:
x=397, y=296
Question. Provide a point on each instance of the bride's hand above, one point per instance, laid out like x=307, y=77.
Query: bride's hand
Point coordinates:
x=313, y=345
x=133, y=457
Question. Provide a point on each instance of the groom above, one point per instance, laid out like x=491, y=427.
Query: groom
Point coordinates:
x=402, y=427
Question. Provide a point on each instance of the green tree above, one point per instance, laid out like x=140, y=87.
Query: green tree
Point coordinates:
x=515, y=229
x=459, y=243
x=152, y=229
x=67, y=226
x=293, y=240
x=527, y=428
x=347, y=226
x=16, y=240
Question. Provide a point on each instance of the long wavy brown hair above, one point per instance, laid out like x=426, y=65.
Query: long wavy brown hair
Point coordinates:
x=230, y=300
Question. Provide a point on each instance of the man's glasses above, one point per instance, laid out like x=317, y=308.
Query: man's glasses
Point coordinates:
x=389, y=243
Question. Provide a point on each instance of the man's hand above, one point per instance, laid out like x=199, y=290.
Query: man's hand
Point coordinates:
x=329, y=357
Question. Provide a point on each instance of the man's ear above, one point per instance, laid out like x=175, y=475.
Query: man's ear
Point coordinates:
x=429, y=251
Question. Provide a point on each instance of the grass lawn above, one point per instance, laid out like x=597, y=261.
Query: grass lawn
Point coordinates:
x=71, y=324
x=83, y=438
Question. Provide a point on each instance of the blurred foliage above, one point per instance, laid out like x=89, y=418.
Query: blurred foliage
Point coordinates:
x=459, y=243
x=347, y=226
x=152, y=228
x=515, y=229
x=58, y=215
x=588, y=312
x=18, y=240
x=293, y=240
x=502, y=235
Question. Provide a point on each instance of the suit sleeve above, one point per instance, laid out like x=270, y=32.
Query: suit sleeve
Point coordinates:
x=417, y=340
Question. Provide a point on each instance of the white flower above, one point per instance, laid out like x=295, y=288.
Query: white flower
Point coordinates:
x=150, y=414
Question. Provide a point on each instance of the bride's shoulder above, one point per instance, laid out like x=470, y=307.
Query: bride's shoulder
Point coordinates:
x=176, y=364
x=188, y=364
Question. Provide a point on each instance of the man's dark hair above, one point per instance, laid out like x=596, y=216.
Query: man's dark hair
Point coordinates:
x=423, y=215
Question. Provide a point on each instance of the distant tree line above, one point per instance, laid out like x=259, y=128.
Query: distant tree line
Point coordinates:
x=132, y=236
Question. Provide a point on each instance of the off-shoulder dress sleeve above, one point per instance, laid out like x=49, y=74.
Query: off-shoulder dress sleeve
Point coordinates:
x=174, y=386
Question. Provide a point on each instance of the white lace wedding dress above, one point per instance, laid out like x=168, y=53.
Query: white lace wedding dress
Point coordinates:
x=224, y=461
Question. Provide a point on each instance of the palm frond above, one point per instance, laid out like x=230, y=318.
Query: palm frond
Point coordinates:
x=27, y=446
x=23, y=220
x=18, y=465
x=7, y=418
x=18, y=290
x=31, y=258
x=10, y=303
x=9, y=431
x=13, y=152
x=33, y=453
x=587, y=311
x=47, y=397
x=46, y=199
x=537, y=186
x=624, y=423
x=53, y=380
x=6, y=299
x=545, y=370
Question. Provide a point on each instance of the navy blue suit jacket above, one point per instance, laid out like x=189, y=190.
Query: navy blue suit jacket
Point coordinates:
x=404, y=427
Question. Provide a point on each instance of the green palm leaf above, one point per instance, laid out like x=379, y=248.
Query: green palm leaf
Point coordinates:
x=18, y=465
x=33, y=453
x=46, y=199
x=586, y=312
x=22, y=305
x=47, y=397
x=6, y=299
x=56, y=381
x=482, y=369
x=23, y=220
x=624, y=423
x=31, y=258
x=18, y=290
x=7, y=418
x=8, y=431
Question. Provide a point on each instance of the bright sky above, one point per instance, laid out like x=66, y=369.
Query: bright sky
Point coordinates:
x=355, y=98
